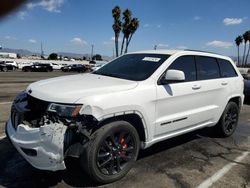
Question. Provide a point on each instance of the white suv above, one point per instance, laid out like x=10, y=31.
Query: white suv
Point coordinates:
x=136, y=100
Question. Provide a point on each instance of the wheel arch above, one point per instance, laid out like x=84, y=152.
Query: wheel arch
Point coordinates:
x=237, y=100
x=135, y=119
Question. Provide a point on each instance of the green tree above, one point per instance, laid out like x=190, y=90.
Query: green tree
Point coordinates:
x=238, y=41
x=248, y=40
x=132, y=28
x=129, y=27
x=97, y=57
x=116, y=12
x=18, y=56
x=53, y=56
x=245, y=44
x=125, y=27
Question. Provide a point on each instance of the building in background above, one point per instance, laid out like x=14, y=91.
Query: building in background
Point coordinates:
x=8, y=55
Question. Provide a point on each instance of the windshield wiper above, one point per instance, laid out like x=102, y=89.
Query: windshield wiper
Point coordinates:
x=107, y=74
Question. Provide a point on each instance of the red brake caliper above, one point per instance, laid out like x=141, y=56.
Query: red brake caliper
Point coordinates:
x=124, y=146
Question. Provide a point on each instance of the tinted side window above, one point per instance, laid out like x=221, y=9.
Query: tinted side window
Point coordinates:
x=187, y=65
x=226, y=69
x=207, y=68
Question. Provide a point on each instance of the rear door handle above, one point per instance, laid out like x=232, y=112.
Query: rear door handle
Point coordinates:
x=196, y=86
x=224, y=83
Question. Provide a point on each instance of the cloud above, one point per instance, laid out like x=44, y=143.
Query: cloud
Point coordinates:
x=161, y=46
x=146, y=25
x=232, y=21
x=182, y=47
x=107, y=43
x=197, y=18
x=9, y=38
x=113, y=39
x=49, y=5
x=21, y=15
x=33, y=41
x=78, y=41
x=219, y=44
x=151, y=25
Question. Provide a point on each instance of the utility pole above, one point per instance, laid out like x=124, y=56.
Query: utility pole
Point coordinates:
x=155, y=47
x=42, y=52
x=92, y=50
x=113, y=53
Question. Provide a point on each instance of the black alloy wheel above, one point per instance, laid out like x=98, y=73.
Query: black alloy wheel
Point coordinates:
x=228, y=121
x=231, y=119
x=112, y=151
x=115, y=152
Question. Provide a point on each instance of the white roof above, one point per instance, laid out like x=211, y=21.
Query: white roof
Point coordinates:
x=170, y=52
x=187, y=52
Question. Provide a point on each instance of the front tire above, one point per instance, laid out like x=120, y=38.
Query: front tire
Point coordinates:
x=228, y=121
x=112, y=152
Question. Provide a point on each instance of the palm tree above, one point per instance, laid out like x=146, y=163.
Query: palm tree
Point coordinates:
x=116, y=12
x=125, y=27
x=245, y=43
x=248, y=39
x=133, y=27
x=238, y=41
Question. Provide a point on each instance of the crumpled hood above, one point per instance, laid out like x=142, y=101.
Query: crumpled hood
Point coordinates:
x=69, y=89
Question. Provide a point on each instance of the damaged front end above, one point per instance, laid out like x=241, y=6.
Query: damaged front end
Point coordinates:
x=45, y=133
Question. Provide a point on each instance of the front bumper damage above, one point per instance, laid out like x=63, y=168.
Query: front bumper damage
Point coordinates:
x=43, y=138
x=42, y=147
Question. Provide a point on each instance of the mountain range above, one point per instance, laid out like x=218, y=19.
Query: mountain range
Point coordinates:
x=24, y=52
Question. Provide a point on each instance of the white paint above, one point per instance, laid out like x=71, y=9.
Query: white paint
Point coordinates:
x=5, y=103
x=219, y=174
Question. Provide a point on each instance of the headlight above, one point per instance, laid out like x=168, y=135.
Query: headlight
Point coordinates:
x=65, y=110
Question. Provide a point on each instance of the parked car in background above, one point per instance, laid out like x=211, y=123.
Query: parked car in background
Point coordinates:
x=13, y=63
x=246, y=87
x=6, y=67
x=97, y=66
x=23, y=64
x=74, y=68
x=38, y=67
x=56, y=66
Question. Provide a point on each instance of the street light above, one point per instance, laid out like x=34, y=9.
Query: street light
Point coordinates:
x=92, y=49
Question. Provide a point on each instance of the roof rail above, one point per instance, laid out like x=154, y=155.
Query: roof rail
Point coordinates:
x=201, y=51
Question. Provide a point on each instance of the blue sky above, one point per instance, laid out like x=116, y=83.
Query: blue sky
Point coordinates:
x=73, y=25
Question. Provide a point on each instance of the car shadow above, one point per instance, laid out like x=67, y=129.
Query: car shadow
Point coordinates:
x=247, y=101
x=16, y=172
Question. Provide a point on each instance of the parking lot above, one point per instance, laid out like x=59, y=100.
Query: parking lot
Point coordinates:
x=192, y=160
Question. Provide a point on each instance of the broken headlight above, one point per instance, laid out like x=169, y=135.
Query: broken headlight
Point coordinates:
x=65, y=110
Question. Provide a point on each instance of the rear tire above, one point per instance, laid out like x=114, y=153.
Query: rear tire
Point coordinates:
x=5, y=69
x=228, y=121
x=111, y=153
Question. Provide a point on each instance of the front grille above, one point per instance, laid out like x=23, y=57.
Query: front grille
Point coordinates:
x=36, y=107
x=29, y=110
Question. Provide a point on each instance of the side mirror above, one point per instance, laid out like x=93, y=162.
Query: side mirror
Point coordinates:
x=173, y=76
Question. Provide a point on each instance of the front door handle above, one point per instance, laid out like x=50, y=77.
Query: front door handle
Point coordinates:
x=196, y=86
x=224, y=83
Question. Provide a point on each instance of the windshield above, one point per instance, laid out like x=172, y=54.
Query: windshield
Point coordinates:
x=135, y=67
